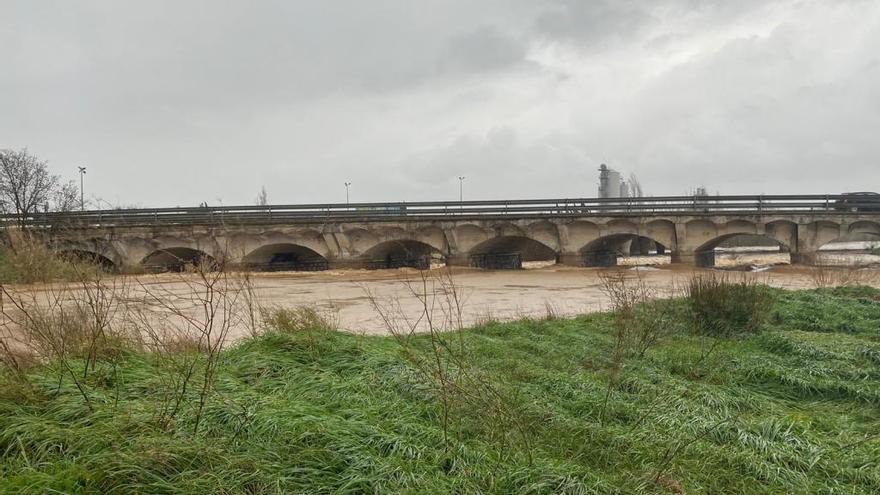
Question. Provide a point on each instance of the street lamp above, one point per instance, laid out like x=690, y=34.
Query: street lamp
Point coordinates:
x=82, y=197
x=347, y=185
x=461, y=179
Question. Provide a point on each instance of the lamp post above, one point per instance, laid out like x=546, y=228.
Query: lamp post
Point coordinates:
x=347, y=185
x=82, y=196
x=461, y=179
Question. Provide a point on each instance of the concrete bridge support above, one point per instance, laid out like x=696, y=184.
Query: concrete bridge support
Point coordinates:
x=577, y=241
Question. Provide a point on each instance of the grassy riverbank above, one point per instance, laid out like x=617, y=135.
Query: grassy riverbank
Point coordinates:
x=522, y=407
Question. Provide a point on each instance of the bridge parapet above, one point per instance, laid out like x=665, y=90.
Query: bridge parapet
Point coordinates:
x=439, y=210
x=577, y=232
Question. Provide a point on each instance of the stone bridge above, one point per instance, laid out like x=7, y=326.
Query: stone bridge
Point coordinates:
x=579, y=233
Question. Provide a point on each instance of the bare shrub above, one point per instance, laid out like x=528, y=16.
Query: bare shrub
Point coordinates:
x=14, y=358
x=71, y=327
x=253, y=310
x=188, y=335
x=485, y=319
x=26, y=259
x=721, y=307
x=639, y=321
x=460, y=387
x=551, y=312
x=84, y=329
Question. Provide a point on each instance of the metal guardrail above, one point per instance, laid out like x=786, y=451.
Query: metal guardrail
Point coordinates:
x=580, y=207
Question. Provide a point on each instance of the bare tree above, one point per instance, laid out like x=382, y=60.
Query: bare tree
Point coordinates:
x=262, y=198
x=66, y=197
x=25, y=183
x=635, y=187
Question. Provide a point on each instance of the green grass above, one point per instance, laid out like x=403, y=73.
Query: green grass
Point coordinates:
x=791, y=409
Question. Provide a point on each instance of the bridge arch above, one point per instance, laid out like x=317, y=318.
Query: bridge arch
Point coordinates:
x=432, y=236
x=606, y=250
x=739, y=247
x=177, y=259
x=662, y=232
x=859, y=238
x=734, y=227
x=784, y=231
x=360, y=240
x=579, y=233
x=724, y=238
x=94, y=249
x=469, y=235
x=850, y=238
x=308, y=238
x=621, y=227
x=400, y=253
x=509, y=251
x=545, y=232
x=386, y=233
x=245, y=244
x=697, y=233
x=865, y=227
x=819, y=233
x=508, y=229
x=283, y=257
x=87, y=256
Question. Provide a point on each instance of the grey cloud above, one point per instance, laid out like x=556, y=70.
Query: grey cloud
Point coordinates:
x=766, y=114
x=593, y=22
x=483, y=49
x=604, y=24
x=181, y=102
x=500, y=163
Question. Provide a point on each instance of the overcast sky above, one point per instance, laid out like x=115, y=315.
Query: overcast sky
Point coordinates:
x=174, y=103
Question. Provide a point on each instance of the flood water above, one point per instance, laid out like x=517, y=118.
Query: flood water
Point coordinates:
x=348, y=296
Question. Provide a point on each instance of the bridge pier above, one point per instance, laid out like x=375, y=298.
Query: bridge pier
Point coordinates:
x=806, y=258
x=684, y=257
x=457, y=260
x=571, y=259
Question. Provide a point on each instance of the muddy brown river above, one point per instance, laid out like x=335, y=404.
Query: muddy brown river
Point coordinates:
x=484, y=295
x=350, y=297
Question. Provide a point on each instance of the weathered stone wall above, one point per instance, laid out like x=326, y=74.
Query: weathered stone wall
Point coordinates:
x=568, y=238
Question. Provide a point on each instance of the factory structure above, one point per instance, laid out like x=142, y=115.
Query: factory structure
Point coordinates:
x=613, y=185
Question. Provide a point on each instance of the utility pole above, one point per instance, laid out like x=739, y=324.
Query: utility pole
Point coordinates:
x=347, y=185
x=461, y=179
x=82, y=196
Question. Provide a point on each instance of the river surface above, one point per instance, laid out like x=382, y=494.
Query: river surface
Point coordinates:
x=351, y=297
